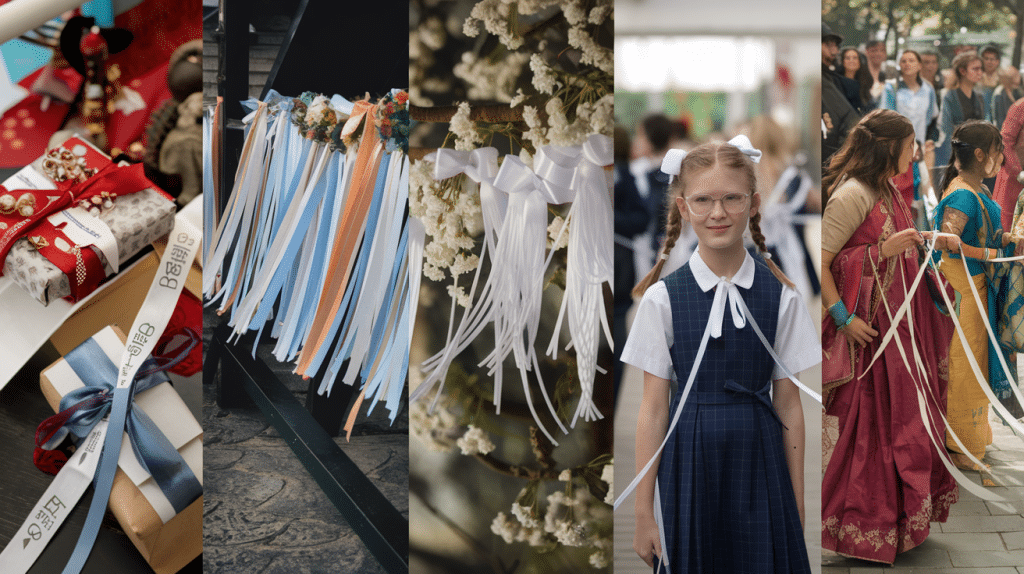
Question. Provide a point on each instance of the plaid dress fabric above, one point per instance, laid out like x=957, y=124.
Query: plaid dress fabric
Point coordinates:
x=727, y=500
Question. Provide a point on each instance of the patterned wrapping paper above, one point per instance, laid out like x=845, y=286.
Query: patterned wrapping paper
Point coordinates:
x=135, y=221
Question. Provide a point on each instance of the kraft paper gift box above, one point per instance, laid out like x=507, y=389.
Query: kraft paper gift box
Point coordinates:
x=134, y=220
x=168, y=544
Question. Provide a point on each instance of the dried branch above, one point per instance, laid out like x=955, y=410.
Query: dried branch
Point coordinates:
x=492, y=113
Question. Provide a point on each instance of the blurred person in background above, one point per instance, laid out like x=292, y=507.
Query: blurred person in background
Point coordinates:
x=1007, y=192
x=875, y=51
x=1006, y=93
x=788, y=192
x=910, y=96
x=930, y=69
x=962, y=102
x=651, y=142
x=837, y=115
x=854, y=66
x=631, y=220
x=990, y=57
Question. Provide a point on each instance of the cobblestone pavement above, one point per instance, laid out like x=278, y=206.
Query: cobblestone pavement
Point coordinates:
x=979, y=537
x=265, y=514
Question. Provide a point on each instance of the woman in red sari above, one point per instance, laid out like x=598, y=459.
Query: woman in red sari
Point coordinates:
x=885, y=480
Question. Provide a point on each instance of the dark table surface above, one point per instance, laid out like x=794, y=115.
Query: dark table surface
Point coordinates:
x=22, y=408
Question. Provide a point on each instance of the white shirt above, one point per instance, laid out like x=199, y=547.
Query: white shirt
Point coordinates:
x=647, y=347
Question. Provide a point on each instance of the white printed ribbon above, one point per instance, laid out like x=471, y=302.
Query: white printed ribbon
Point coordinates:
x=156, y=310
x=55, y=505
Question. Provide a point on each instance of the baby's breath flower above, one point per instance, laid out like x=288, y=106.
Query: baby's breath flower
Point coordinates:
x=475, y=441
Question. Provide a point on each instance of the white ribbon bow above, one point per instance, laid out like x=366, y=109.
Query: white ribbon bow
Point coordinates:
x=717, y=316
x=674, y=158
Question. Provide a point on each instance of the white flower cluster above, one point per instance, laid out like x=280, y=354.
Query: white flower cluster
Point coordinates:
x=495, y=16
x=543, y=76
x=517, y=99
x=600, y=114
x=475, y=441
x=432, y=33
x=450, y=225
x=317, y=110
x=467, y=137
x=592, y=52
x=432, y=429
x=569, y=521
x=490, y=79
x=498, y=17
x=553, y=228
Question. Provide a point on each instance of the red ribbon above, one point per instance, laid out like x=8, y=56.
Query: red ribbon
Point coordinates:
x=111, y=178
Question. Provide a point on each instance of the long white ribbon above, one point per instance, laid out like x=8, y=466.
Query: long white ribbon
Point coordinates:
x=589, y=262
x=921, y=391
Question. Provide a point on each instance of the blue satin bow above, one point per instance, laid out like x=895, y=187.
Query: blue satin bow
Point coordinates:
x=93, y=402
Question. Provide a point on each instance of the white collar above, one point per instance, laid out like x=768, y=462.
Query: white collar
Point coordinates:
x=707, y=280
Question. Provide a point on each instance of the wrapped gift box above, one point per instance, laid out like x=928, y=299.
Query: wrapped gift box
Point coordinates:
x=166, y=540
x=135, y=220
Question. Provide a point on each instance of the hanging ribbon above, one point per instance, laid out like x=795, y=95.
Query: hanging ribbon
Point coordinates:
x=308, y=225
x=922, y=401
x=589, y=261
x=343, y=252
x=480, y=165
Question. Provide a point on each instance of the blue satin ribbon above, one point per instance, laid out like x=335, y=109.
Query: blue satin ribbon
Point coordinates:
x=152, y=449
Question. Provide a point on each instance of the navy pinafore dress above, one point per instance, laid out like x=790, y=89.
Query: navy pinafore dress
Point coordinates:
x=727, y=499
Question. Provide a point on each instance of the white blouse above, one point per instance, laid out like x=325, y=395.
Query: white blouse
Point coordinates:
x=647, y=347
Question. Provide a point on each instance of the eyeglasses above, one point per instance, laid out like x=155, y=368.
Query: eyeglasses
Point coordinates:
x=702, y=204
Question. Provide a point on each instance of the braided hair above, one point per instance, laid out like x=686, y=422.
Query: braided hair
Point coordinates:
x=700, y=159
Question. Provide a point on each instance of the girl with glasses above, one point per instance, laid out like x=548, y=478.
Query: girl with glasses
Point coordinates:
x=730, y=477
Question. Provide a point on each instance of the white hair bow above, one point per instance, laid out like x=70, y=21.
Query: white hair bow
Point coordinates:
x=674, y=158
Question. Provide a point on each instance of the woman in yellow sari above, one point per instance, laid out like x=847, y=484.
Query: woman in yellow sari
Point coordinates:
x=967, y=210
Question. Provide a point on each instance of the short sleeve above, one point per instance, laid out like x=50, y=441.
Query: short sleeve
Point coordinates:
x=647, y=347
x=796, y=336
x=846, y=210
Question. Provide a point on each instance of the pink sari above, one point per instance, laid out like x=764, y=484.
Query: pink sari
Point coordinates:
x=885, y=481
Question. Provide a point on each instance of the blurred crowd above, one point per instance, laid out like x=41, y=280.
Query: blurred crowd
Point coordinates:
x=935, y=92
